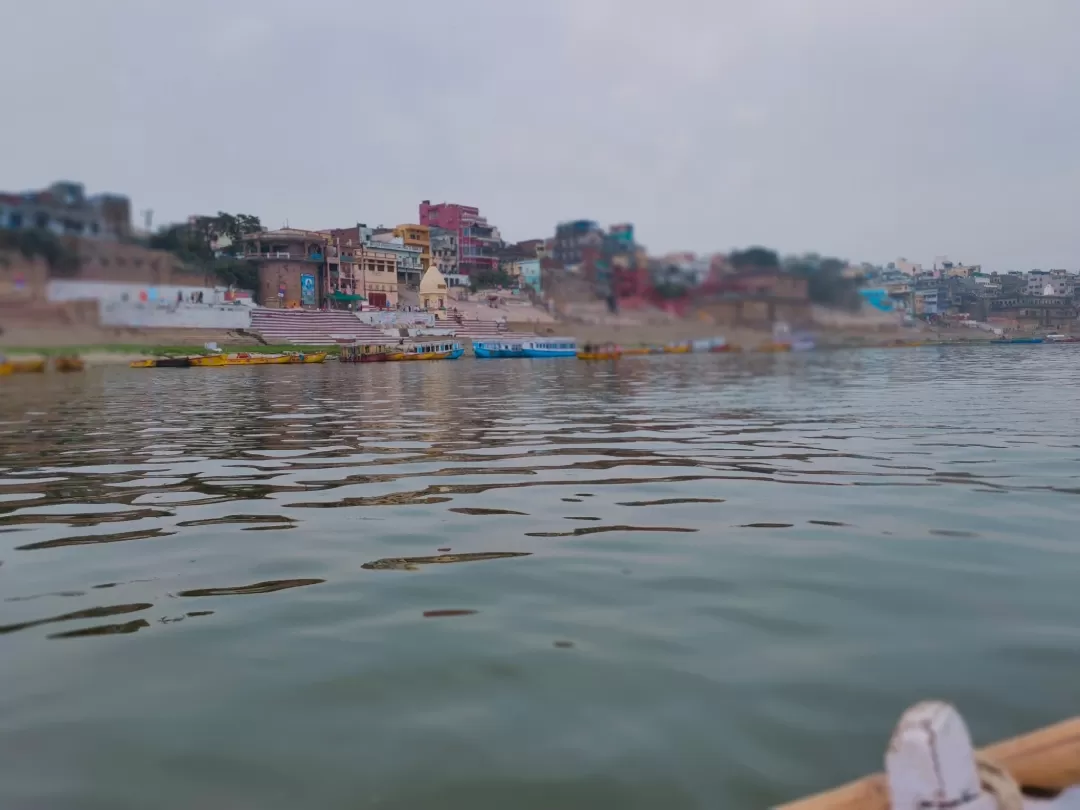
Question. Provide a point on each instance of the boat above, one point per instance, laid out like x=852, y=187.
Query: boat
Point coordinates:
x=677, y=348
x=366, y=353
x=1062, y=339
x=142, y=363
x=26, y=365
x=638, y=351
x=774, y=347
x=550, y=347
x=931, y=763
x=69, y=362
x=248, y=359
x=207, y=360
x=439, y=350
x=726, y=347
x=607, y=351
x=306, y=357
x=498, y=348
x=5, y=367
x=1017, y=340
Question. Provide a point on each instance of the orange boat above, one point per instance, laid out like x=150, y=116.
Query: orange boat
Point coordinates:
x=68, y=363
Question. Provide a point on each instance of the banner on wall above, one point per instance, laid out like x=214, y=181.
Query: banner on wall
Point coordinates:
x=307, y=290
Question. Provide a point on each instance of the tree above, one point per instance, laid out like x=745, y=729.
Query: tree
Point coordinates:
x=63, y=260
x=826, y=282
x=754, y=258
x=491, y=278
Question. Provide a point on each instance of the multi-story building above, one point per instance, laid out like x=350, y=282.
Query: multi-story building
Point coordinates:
x=1049, y=282
x=478, y=241
x=417, y=236
x=571, y=238
x=371, y=271
x=65, y=209
x=444, y=255
x=297, y=268
x=409, y=258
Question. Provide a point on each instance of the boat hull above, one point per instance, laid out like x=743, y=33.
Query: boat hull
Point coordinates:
x=314, y=357
x=209, y=360
x=548, y=353
x=27, y=366
x=67, y=364
x=598, y=355
x=173, y=362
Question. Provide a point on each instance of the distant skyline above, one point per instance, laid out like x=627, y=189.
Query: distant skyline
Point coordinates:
x=865, y=130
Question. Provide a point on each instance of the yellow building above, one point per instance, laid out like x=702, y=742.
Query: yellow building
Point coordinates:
x=417, y=236
x=433, y=289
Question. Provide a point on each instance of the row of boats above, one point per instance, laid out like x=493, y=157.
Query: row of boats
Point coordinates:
x=234, y=359
x=38, y=365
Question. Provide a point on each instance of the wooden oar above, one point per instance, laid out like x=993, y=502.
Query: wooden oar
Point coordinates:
x=1048, y=758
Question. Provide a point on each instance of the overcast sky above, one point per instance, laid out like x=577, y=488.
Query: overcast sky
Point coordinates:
x=869, y=129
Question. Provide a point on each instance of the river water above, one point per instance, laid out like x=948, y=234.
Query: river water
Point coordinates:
x=678, y=582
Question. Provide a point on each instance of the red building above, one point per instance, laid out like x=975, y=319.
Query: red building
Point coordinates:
x=478, y=242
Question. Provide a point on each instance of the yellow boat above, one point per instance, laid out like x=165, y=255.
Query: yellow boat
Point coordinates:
x=774, y=347
x=246, y=359
x=208, y=360
x=5, y=368
x=637, y=351
x=599, y=355
x=677, y=348
x=27, y=365
x=142, y=363
x=68, y=363
x=441, y=350
x=303, y=357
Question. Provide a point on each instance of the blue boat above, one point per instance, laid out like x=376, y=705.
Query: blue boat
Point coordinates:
x=550, y=347
x=497, y=348
x=1018, y=340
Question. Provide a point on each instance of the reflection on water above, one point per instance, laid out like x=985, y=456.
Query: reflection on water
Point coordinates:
x=779, y=553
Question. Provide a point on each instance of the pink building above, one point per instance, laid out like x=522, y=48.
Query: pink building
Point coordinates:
x=478, y=241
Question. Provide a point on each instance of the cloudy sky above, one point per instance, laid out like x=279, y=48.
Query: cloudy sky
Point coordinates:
x=869, y=129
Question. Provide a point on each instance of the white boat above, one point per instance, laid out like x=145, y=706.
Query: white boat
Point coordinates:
x=550, y=347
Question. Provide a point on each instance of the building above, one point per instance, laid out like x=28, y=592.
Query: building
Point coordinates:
x=444, y=255
x=478, y=241
x=370, y=274
x=417, y=236
x=1047, y=311
x=66, y=210
x=528, y=271
x=408, y=258
x=1057, y=282
x=297, y=268
x=433, y=290
x=571, y=239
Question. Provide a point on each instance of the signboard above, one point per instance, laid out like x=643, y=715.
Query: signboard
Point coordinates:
x=307, y=290
x=281, y=290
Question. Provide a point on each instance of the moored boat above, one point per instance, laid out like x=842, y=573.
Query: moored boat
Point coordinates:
x=142, y=363
x=677, y=348
x=487, y=349
x=605, y=351
x=638, y=351
x=249, y=359
x=208, y=360
x=306, y=357
x=69, y=362
x=172, y=362
x=366, y=352
x=774, y=347
x=5, y=367
x=1017, y=340
x=26, y=365
x=550, y=347
x=436, y=350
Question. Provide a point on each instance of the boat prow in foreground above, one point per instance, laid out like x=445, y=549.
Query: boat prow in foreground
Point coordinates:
x=930, y=764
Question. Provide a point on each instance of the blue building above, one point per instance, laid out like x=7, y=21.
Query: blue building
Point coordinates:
x=530, y=273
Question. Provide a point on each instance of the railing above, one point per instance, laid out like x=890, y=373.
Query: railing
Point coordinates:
x=272, y=255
